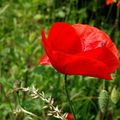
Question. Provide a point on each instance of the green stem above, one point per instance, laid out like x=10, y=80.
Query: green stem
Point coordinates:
x=117, y=25
x=68, y=98
x=104, y=85
x=110, y=9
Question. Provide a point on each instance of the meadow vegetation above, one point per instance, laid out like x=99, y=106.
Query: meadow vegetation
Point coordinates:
x=21, y=22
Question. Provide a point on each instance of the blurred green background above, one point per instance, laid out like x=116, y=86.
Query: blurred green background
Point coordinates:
x=20, y=50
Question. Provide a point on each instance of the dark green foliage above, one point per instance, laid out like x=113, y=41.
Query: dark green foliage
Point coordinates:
x=20, y=49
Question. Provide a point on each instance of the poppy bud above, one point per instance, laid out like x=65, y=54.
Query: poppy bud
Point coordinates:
x=103, y=100
x=115, y=95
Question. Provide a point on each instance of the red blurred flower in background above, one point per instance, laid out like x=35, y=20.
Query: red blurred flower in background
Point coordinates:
x=108, y=2
x=69, y=116
x=80, y=50
x=118, y=4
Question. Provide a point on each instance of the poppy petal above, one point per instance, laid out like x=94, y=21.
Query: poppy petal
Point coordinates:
x=77, y=64
x=47, y=47
x=80, y=65
x=44, y=60
x=63, y=37
x=91, y=37
x=100, y=54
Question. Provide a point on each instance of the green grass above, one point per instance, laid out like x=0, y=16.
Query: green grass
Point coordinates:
x=20, y=49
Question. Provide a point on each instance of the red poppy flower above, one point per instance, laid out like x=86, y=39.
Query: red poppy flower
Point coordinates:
x=108, y=2
x=80, y=50
x=69, y=116
x=118, y=4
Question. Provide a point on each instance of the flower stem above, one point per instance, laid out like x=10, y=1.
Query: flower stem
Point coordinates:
x=104, y=85
x=68, y=98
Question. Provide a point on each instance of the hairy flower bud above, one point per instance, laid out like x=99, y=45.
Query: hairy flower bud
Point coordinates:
x=115, y=95
x=103, y=100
